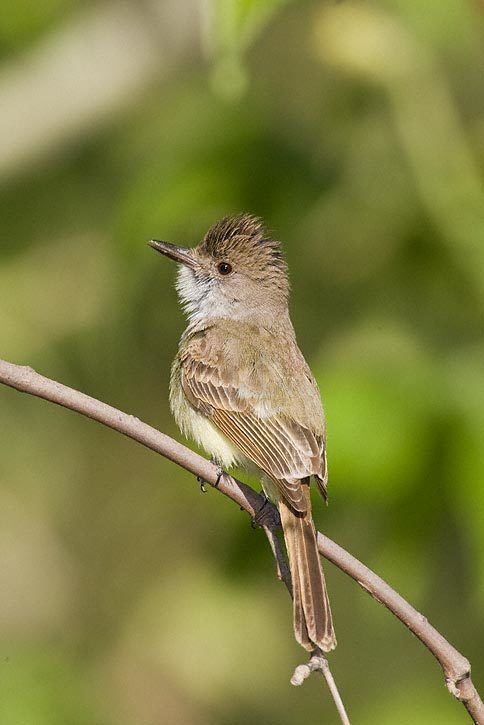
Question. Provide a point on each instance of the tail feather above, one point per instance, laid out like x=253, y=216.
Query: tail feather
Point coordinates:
x=300, y=629
x=313, y=624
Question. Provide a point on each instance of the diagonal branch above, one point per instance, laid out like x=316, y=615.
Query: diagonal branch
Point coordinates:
x=455, y=666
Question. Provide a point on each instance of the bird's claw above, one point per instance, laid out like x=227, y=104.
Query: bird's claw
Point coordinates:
x=220, y=471
x=202, y=483
x=220, y=474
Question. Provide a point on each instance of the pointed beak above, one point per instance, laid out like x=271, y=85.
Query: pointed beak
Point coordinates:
x=179, y=254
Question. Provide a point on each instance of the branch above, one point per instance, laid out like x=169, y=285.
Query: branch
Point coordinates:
x=455, y=666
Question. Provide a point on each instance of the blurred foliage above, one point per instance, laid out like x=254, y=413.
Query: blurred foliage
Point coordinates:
x=25, y=21
x=356, y=130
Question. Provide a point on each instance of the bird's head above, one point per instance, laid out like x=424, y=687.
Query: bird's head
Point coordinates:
x=237, y=271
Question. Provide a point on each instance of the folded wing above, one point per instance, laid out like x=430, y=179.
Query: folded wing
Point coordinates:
x=282, y=448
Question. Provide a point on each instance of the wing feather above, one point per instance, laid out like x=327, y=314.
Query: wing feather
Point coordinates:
x=285, y=450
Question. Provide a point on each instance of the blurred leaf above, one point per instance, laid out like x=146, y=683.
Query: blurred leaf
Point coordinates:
x=236, y=23
x=230, y=27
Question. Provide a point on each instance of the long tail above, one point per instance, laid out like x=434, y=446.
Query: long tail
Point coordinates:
x=313, y=623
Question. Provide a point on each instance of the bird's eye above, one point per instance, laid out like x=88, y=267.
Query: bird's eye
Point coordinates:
x=224, y=268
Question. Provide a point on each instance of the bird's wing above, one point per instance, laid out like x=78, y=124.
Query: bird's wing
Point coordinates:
x=282, y=448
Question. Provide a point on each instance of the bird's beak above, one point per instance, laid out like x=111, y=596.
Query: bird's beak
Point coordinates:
x=179, y=254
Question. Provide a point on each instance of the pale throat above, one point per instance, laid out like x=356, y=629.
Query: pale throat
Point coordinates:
x=204, y=299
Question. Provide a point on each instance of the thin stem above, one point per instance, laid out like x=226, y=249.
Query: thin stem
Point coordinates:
x=328, y=676
x=319, y=663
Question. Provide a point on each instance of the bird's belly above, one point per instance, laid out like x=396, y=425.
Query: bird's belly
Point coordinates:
x=209, y=437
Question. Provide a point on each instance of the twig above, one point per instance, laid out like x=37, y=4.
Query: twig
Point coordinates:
x=328, y=676
x=456, y=667
x=319, y=662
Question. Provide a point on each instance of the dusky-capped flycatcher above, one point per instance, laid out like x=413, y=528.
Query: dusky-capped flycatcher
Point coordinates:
x=242, y=389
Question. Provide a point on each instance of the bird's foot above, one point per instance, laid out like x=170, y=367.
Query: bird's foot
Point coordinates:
x=220, y=473
x=267, y=515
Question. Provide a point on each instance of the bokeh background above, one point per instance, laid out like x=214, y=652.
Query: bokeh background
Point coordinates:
x=356, y=130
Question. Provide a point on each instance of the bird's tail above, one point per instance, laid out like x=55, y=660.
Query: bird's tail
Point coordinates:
x=313, y=623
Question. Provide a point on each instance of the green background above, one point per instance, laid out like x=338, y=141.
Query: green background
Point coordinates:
x=356, y=130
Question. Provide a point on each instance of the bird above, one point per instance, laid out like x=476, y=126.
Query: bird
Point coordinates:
x=242, y=390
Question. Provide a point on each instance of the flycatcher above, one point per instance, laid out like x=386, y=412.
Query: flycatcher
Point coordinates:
x=242, y=389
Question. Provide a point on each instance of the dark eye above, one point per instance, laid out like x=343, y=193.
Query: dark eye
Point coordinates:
x=224, y=268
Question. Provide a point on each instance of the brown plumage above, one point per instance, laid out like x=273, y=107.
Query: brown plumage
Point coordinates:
x=242, y=389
